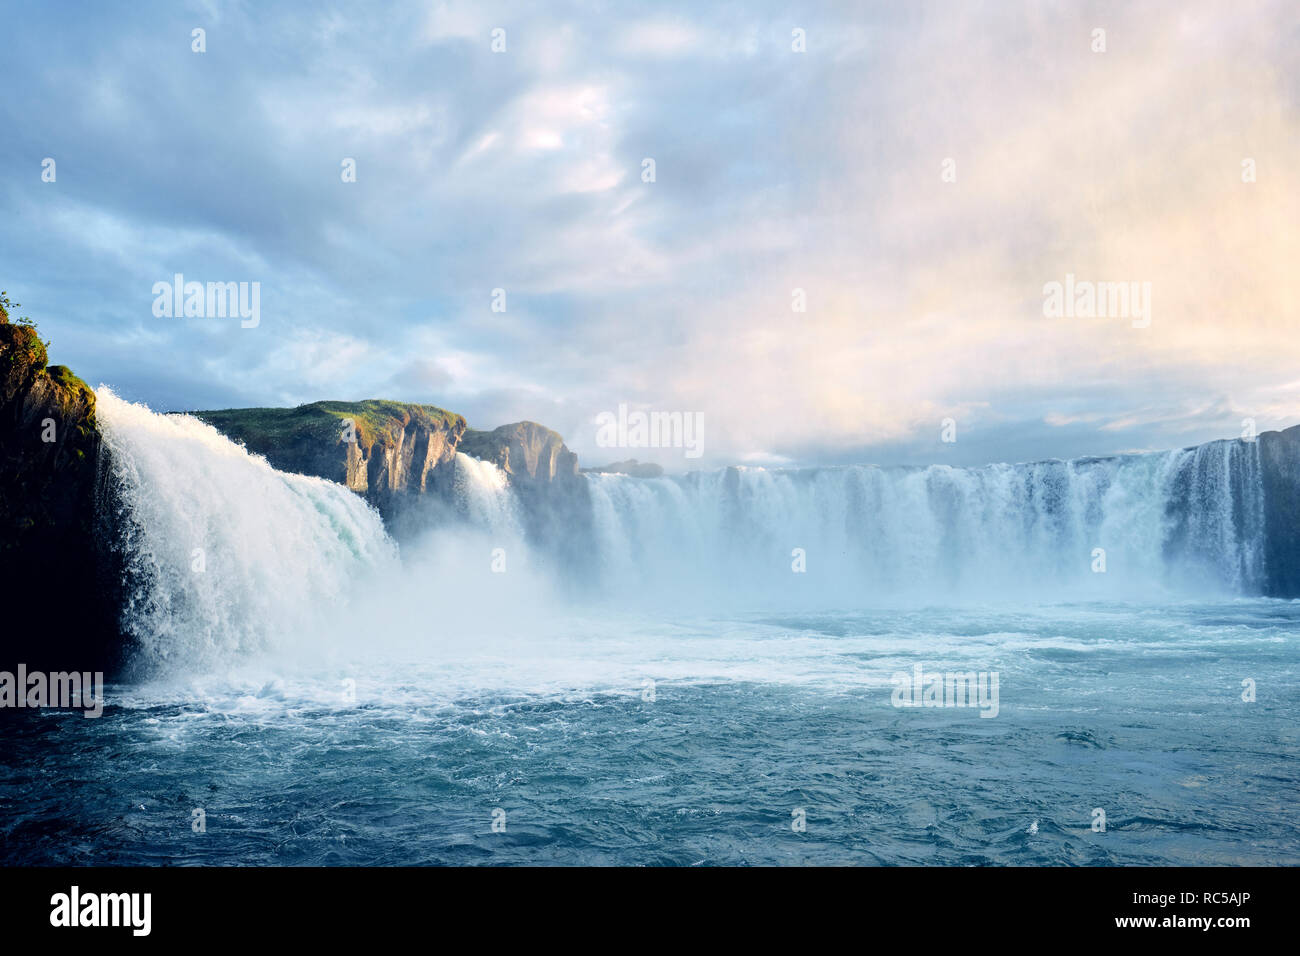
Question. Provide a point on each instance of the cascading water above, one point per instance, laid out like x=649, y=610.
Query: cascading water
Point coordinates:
x=1185, y=519
x=225, y=554
x=484, y=498
x=1215, y=514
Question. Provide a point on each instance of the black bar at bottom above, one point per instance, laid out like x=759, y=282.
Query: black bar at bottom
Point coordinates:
x=1225, y=905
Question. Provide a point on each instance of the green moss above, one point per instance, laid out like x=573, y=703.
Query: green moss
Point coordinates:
x=73, y=391
x=61, y=374
x=22, y=348
x=23, y=358
x=378, y=417
x=489, y=445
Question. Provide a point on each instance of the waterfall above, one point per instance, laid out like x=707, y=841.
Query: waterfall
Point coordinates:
x=1216, y=516
x=224, y=554
x=483, y=496
x=1129, y=527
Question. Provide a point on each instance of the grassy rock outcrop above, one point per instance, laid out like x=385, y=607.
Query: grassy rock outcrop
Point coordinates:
x=383, y=450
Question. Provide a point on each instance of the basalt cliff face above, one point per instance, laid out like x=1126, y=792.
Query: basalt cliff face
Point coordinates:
x=385, y=451
x=59, y=597
x=400, y=457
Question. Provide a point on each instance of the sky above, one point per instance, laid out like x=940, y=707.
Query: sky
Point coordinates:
x=920, y=171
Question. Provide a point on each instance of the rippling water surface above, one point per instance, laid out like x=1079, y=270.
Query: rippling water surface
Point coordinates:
x=622, y=741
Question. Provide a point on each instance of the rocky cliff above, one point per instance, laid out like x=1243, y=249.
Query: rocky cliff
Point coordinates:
x=400, y=458
x=531, y=454
x=386, y=451
x=60, y=603
x=544, y=474
x=1279, y=459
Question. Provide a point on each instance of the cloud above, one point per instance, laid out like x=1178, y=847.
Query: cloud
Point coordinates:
x=775, y=171
x=420, y=377
x=659, y=38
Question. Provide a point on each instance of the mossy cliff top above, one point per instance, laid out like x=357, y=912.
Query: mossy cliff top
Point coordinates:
x=375, y=420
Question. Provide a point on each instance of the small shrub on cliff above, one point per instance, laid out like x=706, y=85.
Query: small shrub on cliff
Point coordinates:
x=28, y=348
x=7, y=309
